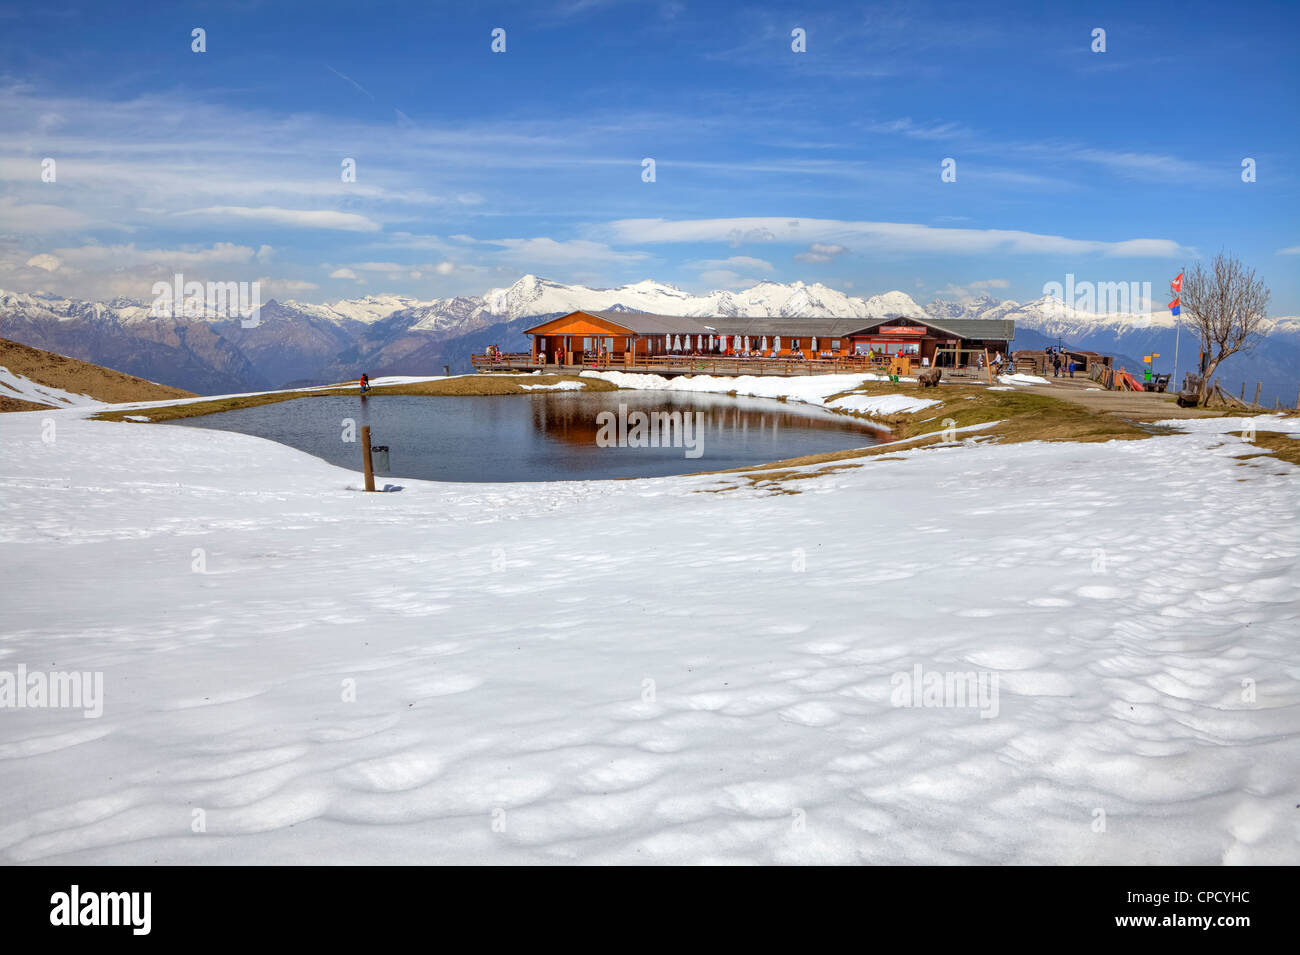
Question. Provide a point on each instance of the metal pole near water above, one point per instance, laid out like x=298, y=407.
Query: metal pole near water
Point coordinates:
x=365, y=457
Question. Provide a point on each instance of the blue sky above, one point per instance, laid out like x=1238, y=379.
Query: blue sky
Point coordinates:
x=476, y=167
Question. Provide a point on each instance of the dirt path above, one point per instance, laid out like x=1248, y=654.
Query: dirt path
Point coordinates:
x=1128, y=404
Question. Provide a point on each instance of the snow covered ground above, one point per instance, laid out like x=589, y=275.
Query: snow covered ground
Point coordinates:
x=812, y=389
x=15, y=385
x=632, y=671
x=882, y=404
x=1022, y=379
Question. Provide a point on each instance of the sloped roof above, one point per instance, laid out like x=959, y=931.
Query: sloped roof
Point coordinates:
x=801, y=327
x=997, y=329
x=641, y=323
x=994, y=329
x=646, y=323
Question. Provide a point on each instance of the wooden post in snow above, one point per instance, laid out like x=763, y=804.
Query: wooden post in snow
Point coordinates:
x=1258, y=386
x=365, y=457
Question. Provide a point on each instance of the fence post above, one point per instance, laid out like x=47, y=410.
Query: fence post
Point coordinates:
x=365, y=457
x=1258, y=386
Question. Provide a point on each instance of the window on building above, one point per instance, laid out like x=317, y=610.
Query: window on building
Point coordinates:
x=835, y=344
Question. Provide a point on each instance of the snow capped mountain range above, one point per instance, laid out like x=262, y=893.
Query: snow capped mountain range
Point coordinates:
x=302, y=342
x=532, y=296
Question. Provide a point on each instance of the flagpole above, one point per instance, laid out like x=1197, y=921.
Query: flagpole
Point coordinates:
x=1178, y=328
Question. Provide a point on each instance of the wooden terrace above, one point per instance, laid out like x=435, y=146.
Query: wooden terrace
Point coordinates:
x=670, y=366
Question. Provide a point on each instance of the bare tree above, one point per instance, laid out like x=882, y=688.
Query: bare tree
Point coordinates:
x=1225, y=305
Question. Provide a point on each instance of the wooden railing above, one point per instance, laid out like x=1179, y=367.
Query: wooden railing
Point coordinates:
x=723, y=365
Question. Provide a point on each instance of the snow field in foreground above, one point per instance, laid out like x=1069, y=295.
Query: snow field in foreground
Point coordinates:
x=631, y=671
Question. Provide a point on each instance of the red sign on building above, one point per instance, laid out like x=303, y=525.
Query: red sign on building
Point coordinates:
x=902, y=330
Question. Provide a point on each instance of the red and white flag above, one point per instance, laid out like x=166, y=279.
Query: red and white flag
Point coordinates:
x=1177, y=284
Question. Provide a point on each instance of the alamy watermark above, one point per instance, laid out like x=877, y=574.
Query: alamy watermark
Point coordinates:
x=1102, y=297
x=240, y=300
x=949, y=689
x=21, y=690
x=655, y=429
x=132, y=910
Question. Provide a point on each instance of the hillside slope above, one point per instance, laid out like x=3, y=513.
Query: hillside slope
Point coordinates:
x=51, y=378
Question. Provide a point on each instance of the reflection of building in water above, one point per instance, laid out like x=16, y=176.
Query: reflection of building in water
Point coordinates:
x=573, y=419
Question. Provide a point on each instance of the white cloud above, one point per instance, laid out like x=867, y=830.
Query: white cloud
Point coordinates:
x=544, y=251
x=734, y=262
x=820, y=252
x=343, y=274
x=127, y=256
x=50, y=263
x=298, y=218
x=884, y=236
x=966, y=293
x=725, y=278
x=1290, y=250
x=389, y=268
x=271, y=285
x=98, y=272
x=33, y=217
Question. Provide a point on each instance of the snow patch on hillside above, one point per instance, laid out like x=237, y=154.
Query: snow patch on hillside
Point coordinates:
x=1261, y=422
x=15, y=385
x=876, y=405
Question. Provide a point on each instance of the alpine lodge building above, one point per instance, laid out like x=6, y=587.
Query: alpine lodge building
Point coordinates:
x=676, y=344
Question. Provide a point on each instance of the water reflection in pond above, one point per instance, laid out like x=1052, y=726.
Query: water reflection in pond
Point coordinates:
x=549, y=436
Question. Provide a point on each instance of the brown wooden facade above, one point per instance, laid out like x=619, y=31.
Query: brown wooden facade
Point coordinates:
x=627, y=337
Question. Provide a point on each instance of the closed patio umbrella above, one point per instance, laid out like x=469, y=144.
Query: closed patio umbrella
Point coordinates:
x=776, y=343
x=764, y=348
x=814, y=344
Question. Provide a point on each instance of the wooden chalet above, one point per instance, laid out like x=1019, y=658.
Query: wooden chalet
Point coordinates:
x=676, y=344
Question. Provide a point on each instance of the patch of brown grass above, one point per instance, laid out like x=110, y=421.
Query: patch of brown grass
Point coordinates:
x=1021, y=416
x=20, y=404
x=1277, y=446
